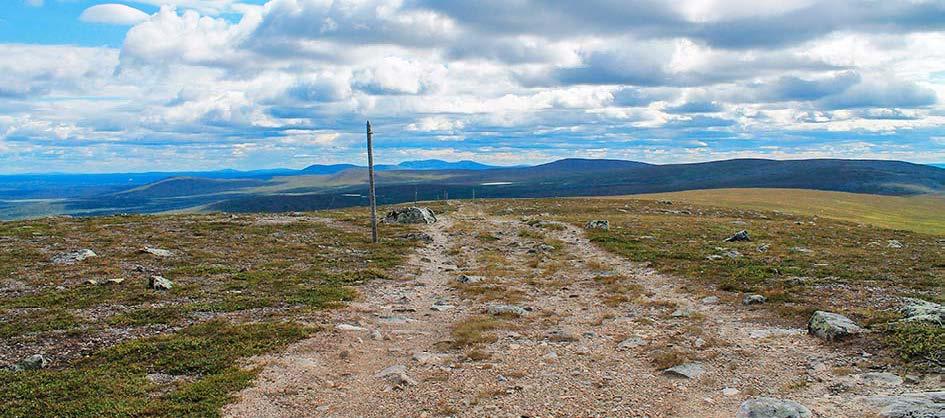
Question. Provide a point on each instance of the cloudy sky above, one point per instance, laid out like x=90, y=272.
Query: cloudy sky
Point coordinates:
x=93, y=86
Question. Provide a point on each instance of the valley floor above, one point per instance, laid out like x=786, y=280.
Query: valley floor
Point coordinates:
x=595, y=337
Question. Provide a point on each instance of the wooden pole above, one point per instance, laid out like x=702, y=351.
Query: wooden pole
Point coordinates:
x=370, y=159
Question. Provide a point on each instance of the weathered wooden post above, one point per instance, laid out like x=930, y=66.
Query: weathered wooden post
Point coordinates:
x=373, y=197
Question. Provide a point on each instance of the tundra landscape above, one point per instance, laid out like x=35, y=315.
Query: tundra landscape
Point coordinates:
x=490, y=208
x=499, y=305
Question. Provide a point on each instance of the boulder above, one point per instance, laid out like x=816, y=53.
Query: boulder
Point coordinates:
x=910, y=405
x=34, y=362
x=159, y=283
x=410, y=215
x=763, y=407
x=754, y=300
x=687, y=371
x=74, y=256
x=831, y=326
x=739, y=236
x=893, y=244
x=918, y=310
x=601, y=224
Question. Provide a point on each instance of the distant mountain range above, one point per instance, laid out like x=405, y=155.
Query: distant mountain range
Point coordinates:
x=406, y=165
x=339, y=185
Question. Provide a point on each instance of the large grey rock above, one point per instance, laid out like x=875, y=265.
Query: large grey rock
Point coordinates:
x=159, y=283
x=506, y=310
x=74, y=256
x=831, y=326
x=739, y=236
x=688, y=370
x=910, y=405
x=763, y=407
x=918, y=310
x=601, y=224
x=34, y=362
x=410, y=215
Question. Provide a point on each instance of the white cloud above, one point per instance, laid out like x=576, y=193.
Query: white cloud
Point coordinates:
x=626, y=79
x=116, y=14
x=35, y=3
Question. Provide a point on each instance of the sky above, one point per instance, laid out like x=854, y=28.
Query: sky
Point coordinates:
x=117, y=86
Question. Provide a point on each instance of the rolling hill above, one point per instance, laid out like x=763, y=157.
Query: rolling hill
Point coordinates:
x=340, y=185
x=918, y=213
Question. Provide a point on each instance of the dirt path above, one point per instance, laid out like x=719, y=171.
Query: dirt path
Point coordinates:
x=563, y=357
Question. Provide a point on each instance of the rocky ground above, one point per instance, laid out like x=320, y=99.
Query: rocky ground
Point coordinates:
x=498, y=317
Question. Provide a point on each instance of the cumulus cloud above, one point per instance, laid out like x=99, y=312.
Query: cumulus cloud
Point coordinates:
x=117, y=14
x=517, y=81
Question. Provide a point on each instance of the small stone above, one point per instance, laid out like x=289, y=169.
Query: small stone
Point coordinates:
x=754, y=299
x=600, y=224
x=550, y=357
x=418, y=236
x=763, y=248
x=561, y=335
x=91, y=282
x=115, y=280
x=831, y=326
x=376, y=335
x=688, y=370
x=506, y=310
x=159, y=283
x=34, y=362
x=424, y=357
x=739, y=236
x=881, y=379
x=682, y=313
x=397, y=375
x=349, y=327
x=732, y=254
x=730, y=391
x=713, y=257
x=710, y=300
x=466, y=279
x=74, y=256
x=157, y=251
x=893, y=244
x=762, y=407
x=631, y=342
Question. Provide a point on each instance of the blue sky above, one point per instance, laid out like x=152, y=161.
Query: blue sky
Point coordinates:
x=100, y=86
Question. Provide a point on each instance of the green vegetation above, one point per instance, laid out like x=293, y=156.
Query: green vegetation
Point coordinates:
x=203, y=359
x=290, y=265
x=922, y=213
x=800, y=263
